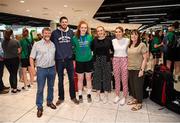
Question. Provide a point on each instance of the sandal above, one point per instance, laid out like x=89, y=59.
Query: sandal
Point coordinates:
x=132, y=102
x=137, y=107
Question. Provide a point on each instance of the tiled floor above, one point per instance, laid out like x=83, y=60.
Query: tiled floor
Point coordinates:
x=21, y=108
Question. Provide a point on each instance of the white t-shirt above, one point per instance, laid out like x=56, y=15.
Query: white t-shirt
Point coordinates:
x=120, y=47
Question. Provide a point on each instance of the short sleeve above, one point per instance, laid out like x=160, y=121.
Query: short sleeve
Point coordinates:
x=18, y=44
x=156, y=41
x=144, y=49
x=33, y=51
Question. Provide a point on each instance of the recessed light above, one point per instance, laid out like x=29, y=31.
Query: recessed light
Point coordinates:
x=45, y=8
x=60, y=13
x=65, y=6
x=45, y=13
x=27, y=10
x=21, y=1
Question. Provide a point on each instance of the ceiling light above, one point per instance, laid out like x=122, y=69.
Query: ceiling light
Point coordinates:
x=143, y=15
x=27, y=10
x=105, y=17
x=60, y=13
x=45, y=8
x=65, y=6
x=45, y=13
x=144, y=19
x=170, y=21
x=21, y=1
x=141, y=22
x=149, y=7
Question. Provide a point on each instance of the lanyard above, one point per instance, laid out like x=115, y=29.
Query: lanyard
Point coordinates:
x=83, y=48
x=83, y=41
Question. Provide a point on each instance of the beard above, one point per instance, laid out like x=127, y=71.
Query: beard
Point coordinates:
x=47, y=38
x=64, y=27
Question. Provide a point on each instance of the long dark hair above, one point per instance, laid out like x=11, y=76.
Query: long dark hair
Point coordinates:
x=136, y=32
x=7, y=37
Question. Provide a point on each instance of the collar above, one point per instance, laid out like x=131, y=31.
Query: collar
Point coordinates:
x=44, y=42
x=67, y=29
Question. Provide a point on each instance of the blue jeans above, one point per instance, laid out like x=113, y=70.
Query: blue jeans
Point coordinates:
x=42, y=75
x=61, y=65
x=1, y=75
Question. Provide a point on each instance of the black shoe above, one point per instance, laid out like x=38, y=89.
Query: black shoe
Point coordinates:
x=75, y=101
x=6, y=88
x=40, y=112
x=80, y=99
x=59, y=102
x=51, y=105
x=29, y=86
x=18, y=90
x=89, y=99
x=23, y=88
x=15, y=90
x=4, y=91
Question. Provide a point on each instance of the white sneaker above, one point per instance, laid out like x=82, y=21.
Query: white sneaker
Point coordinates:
x=122, y=101
x=105, y=99
x=116, y=100
x=97, y=98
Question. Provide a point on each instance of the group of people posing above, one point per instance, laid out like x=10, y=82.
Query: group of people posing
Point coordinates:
x=97, y=55
x=101, y=55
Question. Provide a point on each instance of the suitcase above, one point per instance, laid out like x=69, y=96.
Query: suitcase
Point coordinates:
x=147, y=83
x=174, y=104
x=162, y=84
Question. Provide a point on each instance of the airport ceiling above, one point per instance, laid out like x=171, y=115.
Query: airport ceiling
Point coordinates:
x=137, y=12
x=145, y=12
x=10, y=19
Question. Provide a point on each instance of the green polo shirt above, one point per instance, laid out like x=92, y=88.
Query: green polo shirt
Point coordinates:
x=24, y=43
x=170, y=37
x=157, y=42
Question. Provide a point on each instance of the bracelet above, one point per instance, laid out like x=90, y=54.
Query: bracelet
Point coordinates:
x=142, y=70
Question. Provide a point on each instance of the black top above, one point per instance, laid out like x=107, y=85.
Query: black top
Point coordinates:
x=103, y=47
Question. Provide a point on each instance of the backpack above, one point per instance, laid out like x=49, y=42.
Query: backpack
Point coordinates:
x=162, y=85
x=176, y=39
x=174, y=103
x=147, y=83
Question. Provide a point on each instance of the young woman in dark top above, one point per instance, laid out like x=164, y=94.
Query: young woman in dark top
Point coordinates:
x=11, y=50
x=102, y=50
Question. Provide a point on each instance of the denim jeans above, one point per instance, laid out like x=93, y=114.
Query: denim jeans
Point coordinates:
x=44, y=74
x=61, y=65
x=1, y=75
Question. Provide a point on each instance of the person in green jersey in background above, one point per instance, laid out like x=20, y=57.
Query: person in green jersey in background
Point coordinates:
x=26, y=46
